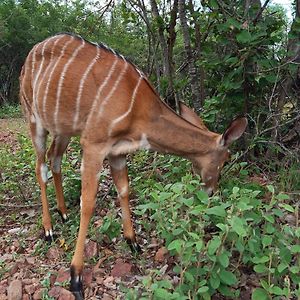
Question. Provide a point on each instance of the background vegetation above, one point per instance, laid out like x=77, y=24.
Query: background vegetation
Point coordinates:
x=223, y=58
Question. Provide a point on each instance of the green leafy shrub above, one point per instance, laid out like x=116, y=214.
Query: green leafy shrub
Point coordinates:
x=218, y=240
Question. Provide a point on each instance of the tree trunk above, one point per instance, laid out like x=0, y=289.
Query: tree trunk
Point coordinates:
x=167, y=65
x=288, y=84
x=198, y=50
x=195, y=86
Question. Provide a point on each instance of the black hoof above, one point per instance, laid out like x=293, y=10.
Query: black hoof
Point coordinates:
x=76, y=286
x=134, y=246
x=78, y=295
x=64, y=217
x=49, y=236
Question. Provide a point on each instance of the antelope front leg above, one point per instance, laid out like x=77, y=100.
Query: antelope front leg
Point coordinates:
x=91, y=166
x=120, y=177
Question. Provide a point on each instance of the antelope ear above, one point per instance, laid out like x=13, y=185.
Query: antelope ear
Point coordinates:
x=234, y=131
x=189, y=115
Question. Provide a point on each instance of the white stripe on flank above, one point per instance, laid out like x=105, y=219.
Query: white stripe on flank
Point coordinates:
x=61, y=80
x=34, y=89
x=119, y=119
x=113, y=89
x=42, y=63
x=51, y=74
x=82, y=82
x=33, y=60
x=100, y=89
x=42, y=80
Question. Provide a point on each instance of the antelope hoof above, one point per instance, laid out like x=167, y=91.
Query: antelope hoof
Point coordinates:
x=134, y=246
x=64, y=216
x=76, y=286
x=49, y=236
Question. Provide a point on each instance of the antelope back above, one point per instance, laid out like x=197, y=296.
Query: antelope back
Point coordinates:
x=66, y=83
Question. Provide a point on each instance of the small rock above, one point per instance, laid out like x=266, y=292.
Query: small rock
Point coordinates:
x=100, y=280
x=14, y=230
x=52, y=279
x=14, y=268
x=3, y=287
x=30, y=260
x=91, y=249
x=54, y=253
x=63, y=275
x=87, y=277
x=60, y=293
x=27, y=281
x=14, y=291
x=65, y=295
x=161, y=254
x=121, y=269
x=55, y=292
x=38, y=294
x=6, y=257
x=30, y=289
x=106, y=297
x=290, y=219
x=26, y=297
x=108, y=280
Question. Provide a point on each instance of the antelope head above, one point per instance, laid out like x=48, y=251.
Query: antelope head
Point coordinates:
x=210, y=163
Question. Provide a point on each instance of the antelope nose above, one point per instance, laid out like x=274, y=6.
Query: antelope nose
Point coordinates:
x=209, y=191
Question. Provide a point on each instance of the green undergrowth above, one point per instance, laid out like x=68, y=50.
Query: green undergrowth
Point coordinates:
x=248, y=230
x=10, y=111
x=219, y=244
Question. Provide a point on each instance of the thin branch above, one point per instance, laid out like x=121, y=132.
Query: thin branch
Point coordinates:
x=260, y=12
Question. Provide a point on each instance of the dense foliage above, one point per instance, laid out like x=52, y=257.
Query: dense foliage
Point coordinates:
x=223, y=58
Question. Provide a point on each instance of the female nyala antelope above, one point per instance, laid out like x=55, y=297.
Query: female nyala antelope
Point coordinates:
x=71, y=87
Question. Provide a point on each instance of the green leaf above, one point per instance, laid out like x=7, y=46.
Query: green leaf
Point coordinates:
x=271, y=78
x=227, y=277
x=285, y=255
x=214, y=282
x=199, y=209
x=276, y=290
x=202, y=196
x=261, y=260
x=282, y=266
x=188, y=202
x=177, y=231
x=282, y=197
x=223, y=259
x=162, y=293
x=271, y=188
x=295, y=249
x=202, y=290
x=260, y=268
x=189, y=277
x=199, y=245
x=266, y=240
x=269, y=218
x=287, y=207
x=295, y=269
x=176, y=245
x=243, y=37
x=217, y=211
x=238, y=226
x=235, y=190
x=259, y=294
x=213, y=245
